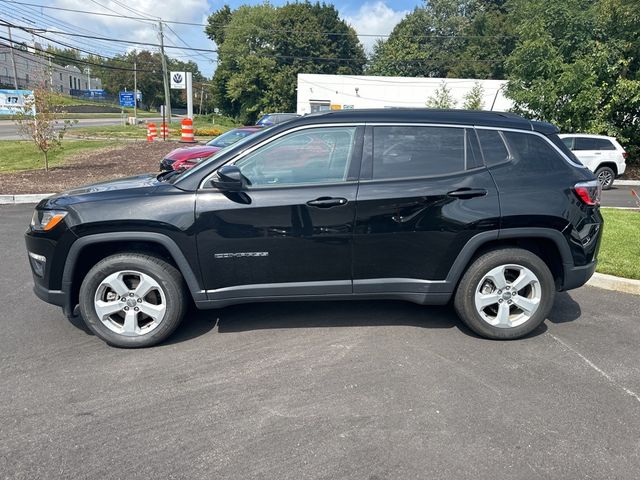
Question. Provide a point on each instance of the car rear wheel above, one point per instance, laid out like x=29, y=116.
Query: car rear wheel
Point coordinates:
x=505, y=294
x=605, y=176
x=133, y=300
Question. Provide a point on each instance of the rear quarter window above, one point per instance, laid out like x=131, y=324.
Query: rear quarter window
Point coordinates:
x=534, y=151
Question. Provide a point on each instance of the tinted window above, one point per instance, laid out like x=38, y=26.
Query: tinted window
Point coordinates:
x=568, y=142
x=533, y=150
x=315, y=155
x=407, y=152
x=493, y=147
x=561, y=143
x=587, y=143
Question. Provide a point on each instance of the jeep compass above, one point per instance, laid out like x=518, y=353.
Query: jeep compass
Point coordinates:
x=487, y=210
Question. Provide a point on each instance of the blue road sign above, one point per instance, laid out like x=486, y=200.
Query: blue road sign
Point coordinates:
x=127, y=99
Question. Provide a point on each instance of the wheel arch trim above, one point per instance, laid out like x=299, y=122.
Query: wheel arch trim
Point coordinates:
x=176, y=254
x=475, y=243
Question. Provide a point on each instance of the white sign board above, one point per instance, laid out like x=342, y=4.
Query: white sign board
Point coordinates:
x=12, y=101
x=178, y=80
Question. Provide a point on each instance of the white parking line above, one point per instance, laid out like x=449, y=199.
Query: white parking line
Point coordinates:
x=597, y=369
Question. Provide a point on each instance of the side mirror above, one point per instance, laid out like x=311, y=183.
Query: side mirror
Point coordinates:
x=229, y=178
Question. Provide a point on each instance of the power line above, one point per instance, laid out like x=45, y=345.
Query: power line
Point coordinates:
x=83, y=62
x=103, y=45
x=310, y=32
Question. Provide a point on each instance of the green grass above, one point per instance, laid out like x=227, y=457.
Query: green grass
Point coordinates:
x=16, y=156
x=620, y=249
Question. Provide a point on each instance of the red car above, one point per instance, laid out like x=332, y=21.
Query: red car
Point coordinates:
x=187, y=157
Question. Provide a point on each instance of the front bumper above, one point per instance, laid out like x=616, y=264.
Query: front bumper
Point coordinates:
x=575, y=277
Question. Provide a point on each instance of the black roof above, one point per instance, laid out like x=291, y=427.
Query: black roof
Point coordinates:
x=424, y=115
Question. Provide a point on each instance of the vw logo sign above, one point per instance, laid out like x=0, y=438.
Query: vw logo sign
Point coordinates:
x=177, y=77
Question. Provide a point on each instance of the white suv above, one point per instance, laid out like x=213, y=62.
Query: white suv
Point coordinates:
x=602, y=155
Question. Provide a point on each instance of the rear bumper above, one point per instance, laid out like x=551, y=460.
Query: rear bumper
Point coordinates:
x=575, y=277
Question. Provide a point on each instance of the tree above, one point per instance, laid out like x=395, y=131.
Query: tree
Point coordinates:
x=473, y=100
x=447, y=38
x=576, y=65
x=442, y=98
x=41, y=122
x=261, y=50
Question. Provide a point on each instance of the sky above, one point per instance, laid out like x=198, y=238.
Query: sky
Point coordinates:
x=366, y=16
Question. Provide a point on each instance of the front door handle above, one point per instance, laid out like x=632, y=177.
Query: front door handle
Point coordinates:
x=468, y=193
x=327, y=202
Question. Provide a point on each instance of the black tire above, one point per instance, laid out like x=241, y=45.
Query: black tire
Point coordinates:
x=464, y=301
x=167, y=277
x=605, y=176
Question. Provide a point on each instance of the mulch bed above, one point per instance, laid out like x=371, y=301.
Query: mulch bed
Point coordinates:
x=89, y=167
x=632, y=172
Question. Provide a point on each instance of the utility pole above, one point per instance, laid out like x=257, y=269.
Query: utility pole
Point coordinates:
x=88, y=78
x=135, y=92
x=13, y=60
x=201, y=94
x=165, y=78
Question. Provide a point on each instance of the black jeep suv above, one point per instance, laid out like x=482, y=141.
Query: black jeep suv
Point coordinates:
x=488, y=209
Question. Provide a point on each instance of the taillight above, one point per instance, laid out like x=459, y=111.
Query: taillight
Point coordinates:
x=625, y=155
x=588, y=192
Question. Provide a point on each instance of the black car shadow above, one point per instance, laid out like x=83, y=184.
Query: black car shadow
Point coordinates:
x=332, y=314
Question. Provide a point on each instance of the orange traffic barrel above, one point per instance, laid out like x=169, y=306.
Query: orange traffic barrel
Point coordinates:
x=152, y=132
x=187, y=131
x=164, y=130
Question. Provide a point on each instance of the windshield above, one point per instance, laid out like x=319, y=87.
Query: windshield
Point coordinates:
x=229, y=138
x=266, y=120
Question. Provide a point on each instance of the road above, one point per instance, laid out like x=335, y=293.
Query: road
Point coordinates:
x=620, y=196
x=9, y=130
x=361, y=390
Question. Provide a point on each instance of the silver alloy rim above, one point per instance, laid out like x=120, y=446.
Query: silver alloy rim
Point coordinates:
x=130, y=303
x=508, y=296
x=605, y=178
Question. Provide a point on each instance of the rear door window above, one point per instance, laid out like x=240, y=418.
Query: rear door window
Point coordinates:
x=416, y=151
x=493, y=147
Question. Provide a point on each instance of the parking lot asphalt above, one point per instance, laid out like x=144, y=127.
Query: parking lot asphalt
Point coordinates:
x=335, y=390
x=620, y=196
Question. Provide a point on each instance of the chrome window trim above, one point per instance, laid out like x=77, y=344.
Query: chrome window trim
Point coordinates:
x=393, y=124
x=246, y=152
x=532, y=132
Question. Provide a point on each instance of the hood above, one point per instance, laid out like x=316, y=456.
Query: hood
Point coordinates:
x=120, y=187
x=187, y=153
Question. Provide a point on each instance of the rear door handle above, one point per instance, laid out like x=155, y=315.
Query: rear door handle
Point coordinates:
x=327, y=202
x=468, y=193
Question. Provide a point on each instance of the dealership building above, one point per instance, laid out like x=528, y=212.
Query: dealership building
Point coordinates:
x=342, y=92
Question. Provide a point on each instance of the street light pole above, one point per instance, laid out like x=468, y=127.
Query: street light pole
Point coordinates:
x=13, y=60
x=165, y=78
x=135, y=92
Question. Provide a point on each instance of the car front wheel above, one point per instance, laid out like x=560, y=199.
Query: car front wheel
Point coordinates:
x=505, y=294
x=132, y=300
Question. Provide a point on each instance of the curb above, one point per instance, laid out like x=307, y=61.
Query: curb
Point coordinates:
x=29, y=198
x=627, y=183
x=619, y=284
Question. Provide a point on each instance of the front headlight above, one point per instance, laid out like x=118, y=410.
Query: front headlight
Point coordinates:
x=45, y=220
